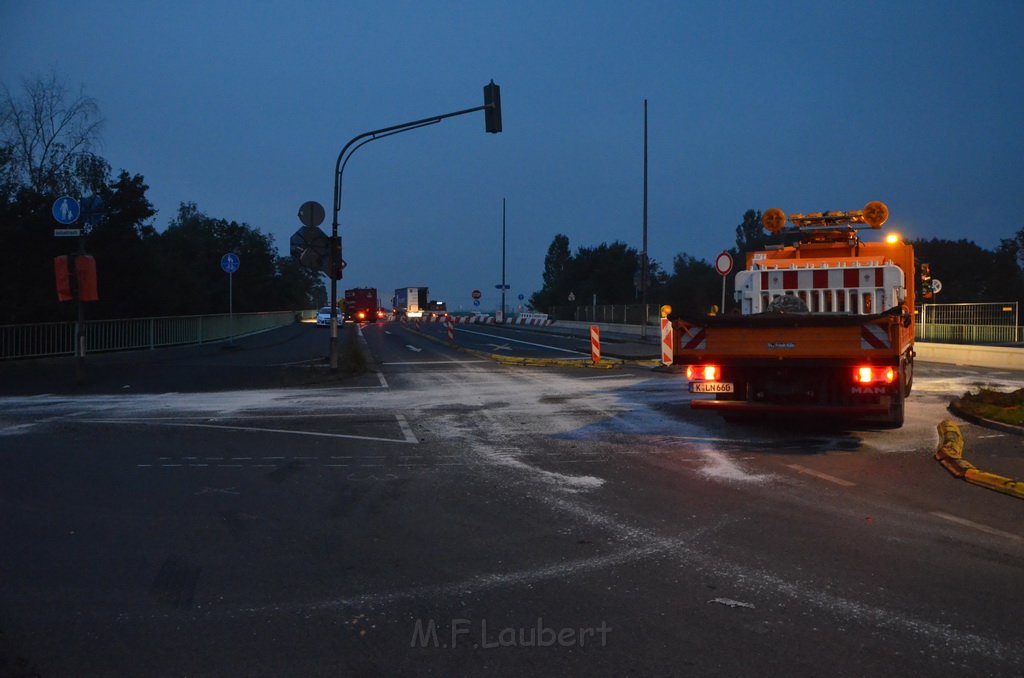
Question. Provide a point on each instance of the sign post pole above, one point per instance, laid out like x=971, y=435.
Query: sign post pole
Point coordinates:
x=723, y=264
x=229, y=264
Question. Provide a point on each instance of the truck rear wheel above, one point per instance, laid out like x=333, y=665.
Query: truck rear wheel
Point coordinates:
x=907, y=369
x=896, y=408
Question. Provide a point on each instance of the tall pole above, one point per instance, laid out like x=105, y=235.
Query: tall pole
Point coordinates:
x=492, y=105
x=644, y=267
x=80, y=375
x=503, y=260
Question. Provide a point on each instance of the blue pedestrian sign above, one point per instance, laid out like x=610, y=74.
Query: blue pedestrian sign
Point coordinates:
x=66, y=210
x=229, y=262
x=476, y=302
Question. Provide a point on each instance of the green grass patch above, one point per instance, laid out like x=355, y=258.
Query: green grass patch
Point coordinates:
x=1007, y=408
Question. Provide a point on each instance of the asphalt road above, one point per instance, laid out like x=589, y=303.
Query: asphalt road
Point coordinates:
x=444, y=515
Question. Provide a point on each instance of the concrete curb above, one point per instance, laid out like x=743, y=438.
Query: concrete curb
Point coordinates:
x=950, y=455
x=987, y=423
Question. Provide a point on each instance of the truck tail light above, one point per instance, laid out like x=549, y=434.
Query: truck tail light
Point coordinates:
x=703, y=372
x=872, y=374
x=361, y=315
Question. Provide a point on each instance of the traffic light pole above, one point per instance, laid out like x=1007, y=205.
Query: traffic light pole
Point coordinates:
x=492, y=105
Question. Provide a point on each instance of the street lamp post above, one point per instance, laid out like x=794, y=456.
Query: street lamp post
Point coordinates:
x=492, y=108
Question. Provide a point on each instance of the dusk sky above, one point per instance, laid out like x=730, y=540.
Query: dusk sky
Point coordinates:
x=243, y=108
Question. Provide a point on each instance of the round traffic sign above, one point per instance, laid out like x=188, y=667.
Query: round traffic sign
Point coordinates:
x=229, y=262
x=311, y=213
x=477, y=294
x=723, y=264
x=936, y=285
x=66, y=209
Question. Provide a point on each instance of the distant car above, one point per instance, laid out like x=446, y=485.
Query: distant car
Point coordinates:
x=323, y=317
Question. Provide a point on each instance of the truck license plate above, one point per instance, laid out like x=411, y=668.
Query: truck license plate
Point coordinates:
x=711, y=387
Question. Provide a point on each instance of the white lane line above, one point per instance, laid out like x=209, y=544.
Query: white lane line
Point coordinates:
x=819, y=474
x=383, y=382
x=403, y=423
x=528, y=343
x=436, y=362
x=977, y=526
x=314, y=434
x=413, y=348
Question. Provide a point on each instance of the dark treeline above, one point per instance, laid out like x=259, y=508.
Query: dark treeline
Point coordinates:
x=46, y=151
x=969, y=273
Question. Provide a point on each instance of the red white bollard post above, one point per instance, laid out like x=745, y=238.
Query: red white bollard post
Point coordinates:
x=595, y=344
x=451, y=330
x=666, y=341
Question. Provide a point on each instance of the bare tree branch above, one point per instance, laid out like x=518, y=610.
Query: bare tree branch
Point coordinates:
x=47, y=134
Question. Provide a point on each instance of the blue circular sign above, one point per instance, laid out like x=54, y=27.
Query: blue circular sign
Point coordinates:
x=521, y=297
x=66, y=210
x=229, y=262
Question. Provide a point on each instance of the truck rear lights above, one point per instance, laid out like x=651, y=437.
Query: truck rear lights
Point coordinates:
x=871, y=374
x=703, y=372
x=361, y=315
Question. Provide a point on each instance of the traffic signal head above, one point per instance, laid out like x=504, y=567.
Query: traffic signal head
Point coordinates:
x=492, y=107
x=337, y=263
x=926, y=281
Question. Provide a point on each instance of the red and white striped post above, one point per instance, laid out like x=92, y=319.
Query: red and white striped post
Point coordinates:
x=666, y=341
x=451, y=330
x=595, y=344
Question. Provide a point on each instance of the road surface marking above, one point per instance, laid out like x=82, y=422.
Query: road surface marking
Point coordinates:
x=819, y=474
x=436, y=362
x=413, y=348
x=520, y=341
x=403, y=424
x=316, y=434
x=977, y=526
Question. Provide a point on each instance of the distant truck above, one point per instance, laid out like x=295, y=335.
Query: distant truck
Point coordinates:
x=410, y=302
x=435, y=309
x=362, y=306
x=824, y=325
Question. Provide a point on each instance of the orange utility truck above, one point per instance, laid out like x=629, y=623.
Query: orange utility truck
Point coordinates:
x=824, y=325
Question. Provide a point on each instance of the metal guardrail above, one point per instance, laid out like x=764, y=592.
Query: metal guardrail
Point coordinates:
x=981, y=323
x=55, y=339
x=608, y=313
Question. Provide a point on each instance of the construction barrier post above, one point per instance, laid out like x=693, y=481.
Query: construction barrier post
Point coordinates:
x=451, y=330
x=666, y=341
x=595, y=344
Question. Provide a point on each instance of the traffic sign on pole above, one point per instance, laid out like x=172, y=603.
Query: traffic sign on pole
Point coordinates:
x=66, y=210
x=723, y=264
x=229, y=262
x=311, y=214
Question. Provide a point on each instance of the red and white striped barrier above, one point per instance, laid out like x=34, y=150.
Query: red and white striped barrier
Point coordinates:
x=666, y=341
x=451, y=331
x=595, y=344
x=543, y=322
x=486, y=320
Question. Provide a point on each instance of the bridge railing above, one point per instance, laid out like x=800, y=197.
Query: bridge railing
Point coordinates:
x=58, y=338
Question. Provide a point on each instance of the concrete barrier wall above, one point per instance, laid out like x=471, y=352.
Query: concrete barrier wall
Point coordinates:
x=1006, y=357
x=1009, y=358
